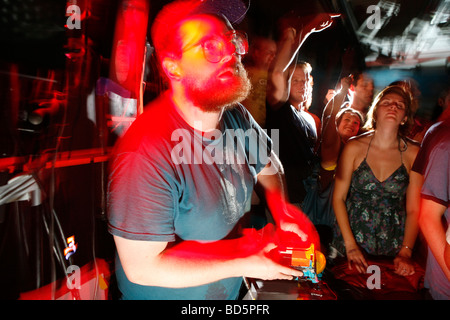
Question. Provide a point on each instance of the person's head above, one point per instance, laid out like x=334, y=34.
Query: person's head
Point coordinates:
x=262, y=51
x=200, y=54
x=300, y=83
x=348, y=123
x=413, y=87
x=363, y=91
x=443, y=104
x=392, y=104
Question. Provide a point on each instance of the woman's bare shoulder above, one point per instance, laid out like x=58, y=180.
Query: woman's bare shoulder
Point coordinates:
x=360, y=141
x=412, y=148
x=415, y=145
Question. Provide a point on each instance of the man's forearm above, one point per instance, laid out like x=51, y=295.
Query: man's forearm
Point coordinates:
x=192, y=263
x=278, y=78
x=178, y=268
x=271, y=178
x=188, y=263
x=433, y=230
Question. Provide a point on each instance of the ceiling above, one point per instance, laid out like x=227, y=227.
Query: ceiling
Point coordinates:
x=410, y=35
x=396, y=33
x=406, y=33
x=410, y=41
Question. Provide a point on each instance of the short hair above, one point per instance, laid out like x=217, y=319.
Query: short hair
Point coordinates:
x=305, y=66
x=409, y=112
x=444, y=92
x=359, y=75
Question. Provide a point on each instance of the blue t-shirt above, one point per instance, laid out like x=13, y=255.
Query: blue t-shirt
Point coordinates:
x=169, y=182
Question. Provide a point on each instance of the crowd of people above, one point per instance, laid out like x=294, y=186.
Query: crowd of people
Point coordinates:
x=176, y=224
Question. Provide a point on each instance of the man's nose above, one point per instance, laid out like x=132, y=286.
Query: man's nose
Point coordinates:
x=232, y=47
x=228, y=56
x=230, y=52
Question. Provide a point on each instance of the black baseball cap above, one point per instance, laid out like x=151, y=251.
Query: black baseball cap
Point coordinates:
x=233, y=10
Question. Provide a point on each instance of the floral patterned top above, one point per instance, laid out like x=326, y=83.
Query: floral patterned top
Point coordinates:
x=376, y=211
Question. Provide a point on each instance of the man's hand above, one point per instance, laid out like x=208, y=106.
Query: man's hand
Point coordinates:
x=307, y=24
x=320, y=21
x=255, y=258
x=293, y=226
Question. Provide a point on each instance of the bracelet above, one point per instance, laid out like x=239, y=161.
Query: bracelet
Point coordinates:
x=404, y=246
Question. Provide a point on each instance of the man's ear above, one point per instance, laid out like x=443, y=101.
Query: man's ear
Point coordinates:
x=171, y=68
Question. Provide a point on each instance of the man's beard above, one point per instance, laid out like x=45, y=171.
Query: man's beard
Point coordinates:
x=212, y=95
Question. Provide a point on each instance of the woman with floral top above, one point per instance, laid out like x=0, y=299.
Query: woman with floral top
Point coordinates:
x=375, y=198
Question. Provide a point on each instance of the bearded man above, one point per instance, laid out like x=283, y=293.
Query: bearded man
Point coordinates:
x=173, y=221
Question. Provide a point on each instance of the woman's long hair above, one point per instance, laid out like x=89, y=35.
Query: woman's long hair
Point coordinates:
x=404, y=129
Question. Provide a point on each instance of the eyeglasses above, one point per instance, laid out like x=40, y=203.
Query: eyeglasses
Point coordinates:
x=214, y=49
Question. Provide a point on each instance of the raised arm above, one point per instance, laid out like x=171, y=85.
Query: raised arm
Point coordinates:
x=278, y=77
x=331, y=141
x=290, y=43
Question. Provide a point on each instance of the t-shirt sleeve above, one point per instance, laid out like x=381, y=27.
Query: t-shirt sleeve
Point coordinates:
x=426, y=146
x=258, y=143
x=420, y=161
x=437, y=176
x=141, y=197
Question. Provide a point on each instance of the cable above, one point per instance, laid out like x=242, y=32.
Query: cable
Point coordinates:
x=59, y=253
x=94, y=251
x=52, y=192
